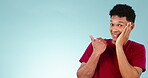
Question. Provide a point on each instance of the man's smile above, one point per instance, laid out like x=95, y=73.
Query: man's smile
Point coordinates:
x=115, y=35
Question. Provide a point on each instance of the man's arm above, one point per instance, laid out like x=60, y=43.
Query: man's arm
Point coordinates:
x=87, y=70
x=127, y=70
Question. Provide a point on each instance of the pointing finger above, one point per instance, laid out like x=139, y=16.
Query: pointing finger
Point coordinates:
x=92, y=38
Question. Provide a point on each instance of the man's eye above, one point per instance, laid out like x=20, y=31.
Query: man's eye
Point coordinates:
x=111, y=24
x=120, y=25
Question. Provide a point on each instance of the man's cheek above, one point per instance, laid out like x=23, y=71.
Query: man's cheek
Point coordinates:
x=121, y=30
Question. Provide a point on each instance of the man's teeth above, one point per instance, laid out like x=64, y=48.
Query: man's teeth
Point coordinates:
x=115, y=35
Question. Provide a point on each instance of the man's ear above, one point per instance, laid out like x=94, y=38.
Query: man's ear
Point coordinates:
x=133, y=25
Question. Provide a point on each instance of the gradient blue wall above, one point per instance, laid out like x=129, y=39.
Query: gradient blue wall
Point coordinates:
x=46, y=38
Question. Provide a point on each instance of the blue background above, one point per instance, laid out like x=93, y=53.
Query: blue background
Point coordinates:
x=46, y=38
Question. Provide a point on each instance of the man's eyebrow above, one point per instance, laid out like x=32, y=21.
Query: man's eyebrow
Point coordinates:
x=121, y=22
x=118, y=21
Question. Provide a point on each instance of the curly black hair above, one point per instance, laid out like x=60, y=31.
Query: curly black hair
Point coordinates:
x=123, y=10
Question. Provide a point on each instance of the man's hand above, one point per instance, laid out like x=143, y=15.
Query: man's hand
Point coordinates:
x=123, y=38
x=87, y=70
x=99, y=45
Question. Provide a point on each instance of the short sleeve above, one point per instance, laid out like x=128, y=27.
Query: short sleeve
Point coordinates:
x=87, y=54
x=139, y=57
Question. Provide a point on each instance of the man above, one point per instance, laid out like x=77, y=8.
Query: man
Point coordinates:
x=117, y=57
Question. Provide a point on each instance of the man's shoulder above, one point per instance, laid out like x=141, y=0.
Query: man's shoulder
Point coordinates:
x=108, y=40
x=136, y=44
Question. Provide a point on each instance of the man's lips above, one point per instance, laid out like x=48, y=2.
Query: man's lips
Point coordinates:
x=115, y=35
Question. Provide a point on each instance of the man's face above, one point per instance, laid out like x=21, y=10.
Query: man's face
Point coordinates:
x=117, y=25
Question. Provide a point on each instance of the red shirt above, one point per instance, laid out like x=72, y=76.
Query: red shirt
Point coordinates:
x=108, y=65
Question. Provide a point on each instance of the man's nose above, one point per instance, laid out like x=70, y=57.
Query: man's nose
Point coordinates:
x=115, y=29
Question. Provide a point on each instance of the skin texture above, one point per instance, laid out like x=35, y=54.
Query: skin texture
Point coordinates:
x=120, y=30
x=87, y=70
x=127, y=70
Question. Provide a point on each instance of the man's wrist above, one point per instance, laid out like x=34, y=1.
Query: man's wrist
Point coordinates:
x=97, y=53
x=119, y=46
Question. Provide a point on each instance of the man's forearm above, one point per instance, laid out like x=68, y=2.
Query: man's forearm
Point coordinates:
x=127, y=70
x=88, y=70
